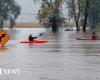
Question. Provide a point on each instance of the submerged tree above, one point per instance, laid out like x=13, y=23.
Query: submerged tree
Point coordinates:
x=87, y=2
x=94, y=13
x=83, y=12
x=78, y=10
x=9, y=10
x=50, y=11
x=86, y=12
x=74, y=10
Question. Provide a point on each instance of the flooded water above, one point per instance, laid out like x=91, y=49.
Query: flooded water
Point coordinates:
x=62, y=58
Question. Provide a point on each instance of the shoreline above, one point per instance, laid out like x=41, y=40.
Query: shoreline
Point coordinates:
x=25, y=25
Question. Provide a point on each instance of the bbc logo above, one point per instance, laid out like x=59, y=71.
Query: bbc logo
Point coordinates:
x=9, y=71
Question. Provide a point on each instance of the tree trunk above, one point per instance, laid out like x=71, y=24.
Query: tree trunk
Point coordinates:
x=86, y=15
x=77, y=26
x=54, y=24
x=1, y=24
x=76, y=15
x=54, y=28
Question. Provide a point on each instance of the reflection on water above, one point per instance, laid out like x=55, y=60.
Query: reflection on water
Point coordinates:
x=3, y=49
x=62, y=58
x=55, y=48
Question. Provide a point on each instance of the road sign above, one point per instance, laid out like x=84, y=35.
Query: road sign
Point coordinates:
x=4, y=37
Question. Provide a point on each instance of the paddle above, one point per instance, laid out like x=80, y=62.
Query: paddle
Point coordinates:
x=41, y=34
x=38, y=36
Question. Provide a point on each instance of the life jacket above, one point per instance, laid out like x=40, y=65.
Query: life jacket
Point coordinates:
x=94, y=37
x=30, y=38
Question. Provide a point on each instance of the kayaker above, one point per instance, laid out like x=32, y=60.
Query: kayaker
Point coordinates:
x=31, y=38
x=94, y=37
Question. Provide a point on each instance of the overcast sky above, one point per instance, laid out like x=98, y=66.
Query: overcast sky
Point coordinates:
x=28, y=11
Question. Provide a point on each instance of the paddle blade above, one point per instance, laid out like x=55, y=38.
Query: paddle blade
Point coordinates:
x=41, y=34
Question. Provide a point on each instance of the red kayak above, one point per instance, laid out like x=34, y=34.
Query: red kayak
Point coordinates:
x=86, y=39
x=35, y=41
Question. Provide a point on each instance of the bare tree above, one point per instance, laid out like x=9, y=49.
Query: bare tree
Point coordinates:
x=86, y=15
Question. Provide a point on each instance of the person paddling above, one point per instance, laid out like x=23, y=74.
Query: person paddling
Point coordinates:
x=32, y=38
x=94, y=37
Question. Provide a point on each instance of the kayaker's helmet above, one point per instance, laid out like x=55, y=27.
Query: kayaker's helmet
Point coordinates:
x=30, y=34
x=93, y=32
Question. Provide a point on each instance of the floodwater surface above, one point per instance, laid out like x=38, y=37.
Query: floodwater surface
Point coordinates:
x=62, y=58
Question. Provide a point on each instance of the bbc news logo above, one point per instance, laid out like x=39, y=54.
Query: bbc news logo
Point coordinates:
x=4, y=71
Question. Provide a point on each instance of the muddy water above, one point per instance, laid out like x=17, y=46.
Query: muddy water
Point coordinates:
x=62, y=58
